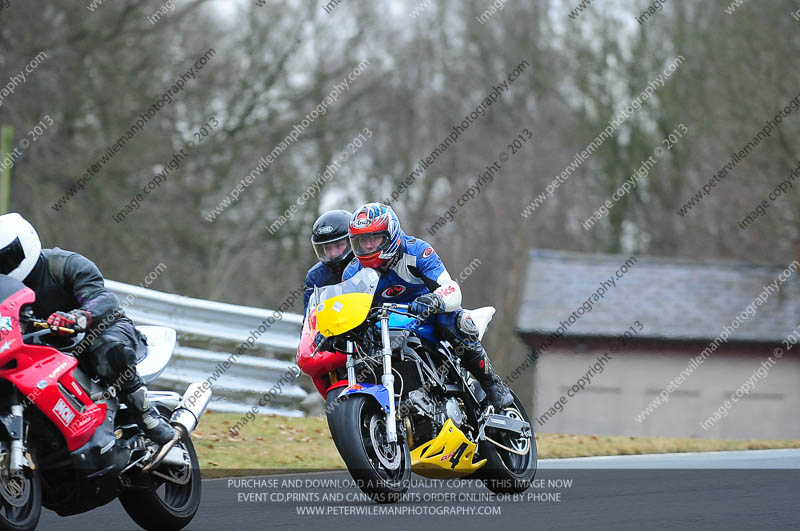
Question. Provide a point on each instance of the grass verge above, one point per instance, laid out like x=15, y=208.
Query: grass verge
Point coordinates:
x=271, y=442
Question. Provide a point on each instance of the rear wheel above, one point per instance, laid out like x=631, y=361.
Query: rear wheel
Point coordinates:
x=20, y=497
x=509, y=470
x=381, y=469
x=174, y=502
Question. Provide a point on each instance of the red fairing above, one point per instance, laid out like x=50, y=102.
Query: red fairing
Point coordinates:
x=320, y=364
x=31, y=367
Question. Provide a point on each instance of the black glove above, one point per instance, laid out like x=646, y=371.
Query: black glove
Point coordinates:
x=330, y=344
x=319, y=339
x=427, y=304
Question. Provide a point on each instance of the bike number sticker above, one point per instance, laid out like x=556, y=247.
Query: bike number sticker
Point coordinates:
x=455, y=456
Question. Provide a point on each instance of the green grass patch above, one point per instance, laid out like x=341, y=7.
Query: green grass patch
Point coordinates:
x=272, y=442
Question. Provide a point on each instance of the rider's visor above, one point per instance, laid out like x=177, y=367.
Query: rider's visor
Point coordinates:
x=11, y=256
x=366, y=244
x=332, y=250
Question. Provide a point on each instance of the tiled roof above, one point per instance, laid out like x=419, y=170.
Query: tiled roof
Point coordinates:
x=673, y=298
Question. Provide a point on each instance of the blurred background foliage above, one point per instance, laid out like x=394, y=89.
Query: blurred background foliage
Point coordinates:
x=275, y=63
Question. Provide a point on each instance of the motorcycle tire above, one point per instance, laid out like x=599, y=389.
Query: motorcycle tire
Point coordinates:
x=359, y=429
x=20, y=502
x=504, y=471
x=173, y=509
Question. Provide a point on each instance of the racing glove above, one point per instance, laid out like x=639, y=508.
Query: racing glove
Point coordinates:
x=319, y=339
x=78, y=320
x=427, y=304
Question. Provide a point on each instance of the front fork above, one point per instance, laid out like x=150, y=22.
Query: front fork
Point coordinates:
x=387, y=379
x=15, y=428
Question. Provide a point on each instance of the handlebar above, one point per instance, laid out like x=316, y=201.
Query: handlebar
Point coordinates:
x=393, y=307
x=63, y=329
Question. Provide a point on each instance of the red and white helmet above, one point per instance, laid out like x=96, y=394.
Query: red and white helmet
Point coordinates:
x=375, y=235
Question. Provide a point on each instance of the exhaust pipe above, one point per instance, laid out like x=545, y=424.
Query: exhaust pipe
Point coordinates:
x=184, y=419
x=193, y=404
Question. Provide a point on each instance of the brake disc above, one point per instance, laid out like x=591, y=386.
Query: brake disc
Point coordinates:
x=388, y=454
x=14, y=490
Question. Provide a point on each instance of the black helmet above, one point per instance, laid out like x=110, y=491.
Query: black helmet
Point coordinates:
x=332, y=226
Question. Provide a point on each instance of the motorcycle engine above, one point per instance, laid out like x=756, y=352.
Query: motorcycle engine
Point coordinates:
x=438, y=411
x=452, y=411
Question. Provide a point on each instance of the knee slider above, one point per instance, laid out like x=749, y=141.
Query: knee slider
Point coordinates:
x=121, y=355
x=461, y=331
x=466, y=326
x=122, y=360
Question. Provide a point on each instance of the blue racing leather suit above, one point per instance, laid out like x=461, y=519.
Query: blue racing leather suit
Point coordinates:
x=418, y=270
x=404, y=282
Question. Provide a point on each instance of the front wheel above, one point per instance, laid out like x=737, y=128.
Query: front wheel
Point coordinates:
x=20, y=497
x=382, y=470
x=509, y=470
x=174, y=502
x=331, y=412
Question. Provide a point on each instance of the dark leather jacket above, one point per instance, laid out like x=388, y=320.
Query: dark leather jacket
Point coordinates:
x=65, y=281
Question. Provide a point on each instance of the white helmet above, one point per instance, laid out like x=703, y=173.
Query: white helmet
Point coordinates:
x=19, y=246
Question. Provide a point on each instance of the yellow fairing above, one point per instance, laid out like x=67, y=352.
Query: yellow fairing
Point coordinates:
x=446, y=456
x=341, y=313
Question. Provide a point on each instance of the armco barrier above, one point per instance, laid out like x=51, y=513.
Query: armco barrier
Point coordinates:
x=214, y=330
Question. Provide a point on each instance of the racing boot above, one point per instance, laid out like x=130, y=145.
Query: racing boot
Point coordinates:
x=476, y=361
x=156, y=428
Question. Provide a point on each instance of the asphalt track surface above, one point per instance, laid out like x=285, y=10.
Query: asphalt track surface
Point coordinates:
x=716, y=490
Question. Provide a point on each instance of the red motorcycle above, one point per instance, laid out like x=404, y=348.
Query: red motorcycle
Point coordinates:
x=68, y=443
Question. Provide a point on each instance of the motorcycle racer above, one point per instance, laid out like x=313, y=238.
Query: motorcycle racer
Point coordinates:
x=329, y=236
x=412, y=272
x=70, y=289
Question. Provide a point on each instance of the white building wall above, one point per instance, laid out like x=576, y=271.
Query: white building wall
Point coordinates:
x=610, y=403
